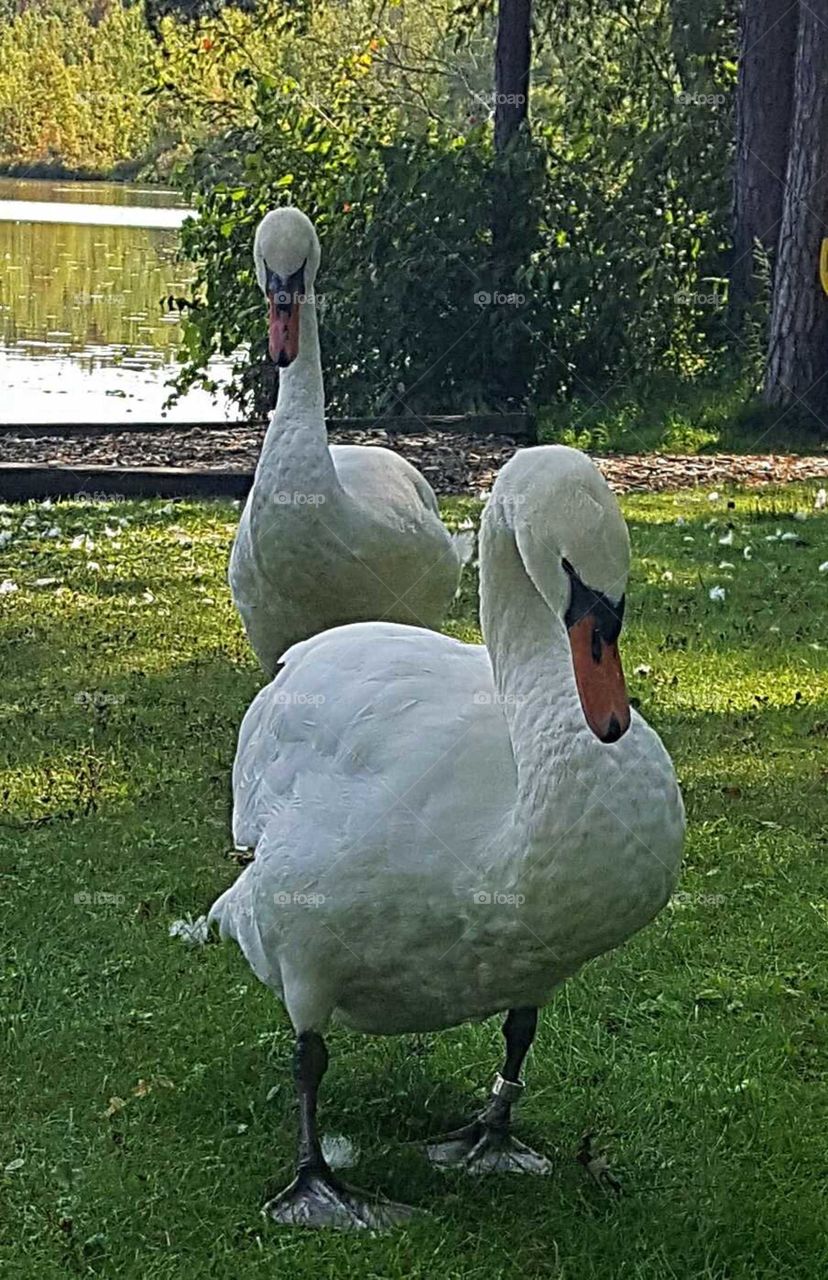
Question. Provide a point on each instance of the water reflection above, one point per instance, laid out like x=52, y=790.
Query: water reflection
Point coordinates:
x=83, y=336
x=111, y=193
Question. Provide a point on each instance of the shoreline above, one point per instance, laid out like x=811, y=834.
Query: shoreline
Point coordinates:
x=47, y=171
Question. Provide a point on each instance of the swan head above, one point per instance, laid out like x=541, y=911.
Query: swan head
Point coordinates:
x=286, y=255
x=573, y=542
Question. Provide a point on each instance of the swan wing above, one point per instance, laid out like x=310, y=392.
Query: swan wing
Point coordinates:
x=404, y=717
x=382, y=479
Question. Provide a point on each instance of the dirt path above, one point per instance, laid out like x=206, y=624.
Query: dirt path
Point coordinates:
x=453, y=464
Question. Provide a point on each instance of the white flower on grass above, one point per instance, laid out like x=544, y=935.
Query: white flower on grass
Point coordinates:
x=727, y=539
x=821, y=500
x=148, y=597
x=194, y=932
x=7, y=587
x=717, y=593
x=5, y=537
x=713, y=497
x=54, y=532
x=823, y=568
x=667, y=576
x=82, y=542
x=93, y=566
x=642, y=670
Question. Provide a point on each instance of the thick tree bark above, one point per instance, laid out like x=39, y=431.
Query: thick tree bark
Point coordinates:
x=764, y=101
x=797, y=367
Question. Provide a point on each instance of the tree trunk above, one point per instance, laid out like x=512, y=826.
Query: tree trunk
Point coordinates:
x=513, y=57
x=764, y=101
x=797, y=368
x=512, y=344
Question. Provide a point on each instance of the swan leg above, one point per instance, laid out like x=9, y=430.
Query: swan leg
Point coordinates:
x=316, y=1197
x=486, y=1145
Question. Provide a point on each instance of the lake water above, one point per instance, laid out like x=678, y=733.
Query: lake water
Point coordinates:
x=83, y=336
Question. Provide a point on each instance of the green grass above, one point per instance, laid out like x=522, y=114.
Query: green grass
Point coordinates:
x=684, y=418
x=145, y=1087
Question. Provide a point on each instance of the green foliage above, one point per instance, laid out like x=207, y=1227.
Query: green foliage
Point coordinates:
x=408, y=288
x=671, y=416
x=618, y=212
x=610, y=263
x=73, y=86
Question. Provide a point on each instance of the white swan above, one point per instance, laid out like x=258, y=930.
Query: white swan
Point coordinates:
x=328, y=535
x=443, y=831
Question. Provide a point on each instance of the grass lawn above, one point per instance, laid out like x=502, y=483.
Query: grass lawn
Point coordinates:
x=145, y=1092
x=719, y=417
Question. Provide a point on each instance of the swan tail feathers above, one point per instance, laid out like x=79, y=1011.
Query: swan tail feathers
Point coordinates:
x=464, y=544
x=234, y=913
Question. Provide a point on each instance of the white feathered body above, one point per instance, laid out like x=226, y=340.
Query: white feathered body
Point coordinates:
x=375, y=779
x=355, y=538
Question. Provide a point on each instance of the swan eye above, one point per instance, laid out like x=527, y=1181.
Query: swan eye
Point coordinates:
x=283, y=293
x=583, y=601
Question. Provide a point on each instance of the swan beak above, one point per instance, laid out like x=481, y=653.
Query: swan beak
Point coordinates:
x=600, y=680
x=284, y=298
x=283, y=331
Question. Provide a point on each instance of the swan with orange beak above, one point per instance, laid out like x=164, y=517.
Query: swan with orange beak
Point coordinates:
x=447, y=831
x=330, y=533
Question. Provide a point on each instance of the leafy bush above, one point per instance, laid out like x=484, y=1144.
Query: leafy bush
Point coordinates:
x=616, y=238
x=408, y=288
x=72, y=88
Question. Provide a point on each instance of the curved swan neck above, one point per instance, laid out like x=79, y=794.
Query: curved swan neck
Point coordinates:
x=296, y=444
x=532, y=665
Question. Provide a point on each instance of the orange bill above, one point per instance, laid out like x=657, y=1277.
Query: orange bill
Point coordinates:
x=600, y=680
x=283, y=332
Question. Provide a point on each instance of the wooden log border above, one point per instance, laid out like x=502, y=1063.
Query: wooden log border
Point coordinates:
x=24, y=481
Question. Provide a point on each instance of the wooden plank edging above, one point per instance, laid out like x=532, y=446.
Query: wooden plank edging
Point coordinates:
x=25, y=481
